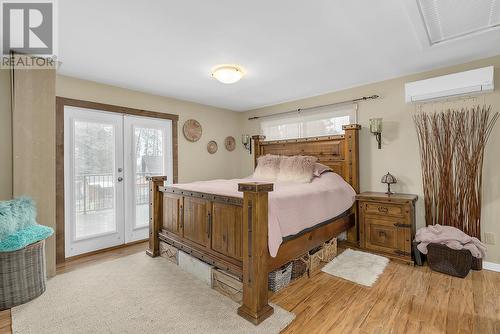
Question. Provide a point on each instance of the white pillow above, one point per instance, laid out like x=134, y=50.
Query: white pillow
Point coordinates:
x=267, y=167
x=297, y=168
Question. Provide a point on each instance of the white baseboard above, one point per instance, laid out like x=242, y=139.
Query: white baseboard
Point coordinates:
x=491, y=266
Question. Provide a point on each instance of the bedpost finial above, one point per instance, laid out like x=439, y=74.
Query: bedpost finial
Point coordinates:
x=255, y=187
x=156, y=178
x=351, y=127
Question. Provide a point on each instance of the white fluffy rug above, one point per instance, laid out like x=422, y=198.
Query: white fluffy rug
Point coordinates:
x=135, y=294
x=359, y=267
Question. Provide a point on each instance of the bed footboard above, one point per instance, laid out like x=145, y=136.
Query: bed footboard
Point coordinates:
x=194, y=222
x=255, y=307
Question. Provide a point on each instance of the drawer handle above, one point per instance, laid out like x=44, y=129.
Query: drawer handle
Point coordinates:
x=209, y=225
x=181, y=224
x=383, y=209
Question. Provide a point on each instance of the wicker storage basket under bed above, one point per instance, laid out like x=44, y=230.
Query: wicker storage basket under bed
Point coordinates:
x=300, y=267
x=22, y=275
x=449, y=261
x=329, y=250
x=280, y=278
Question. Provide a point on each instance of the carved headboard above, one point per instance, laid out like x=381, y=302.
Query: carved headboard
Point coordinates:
x=339, y=152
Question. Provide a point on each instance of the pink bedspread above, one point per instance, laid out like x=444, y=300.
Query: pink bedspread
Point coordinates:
x=293, y=207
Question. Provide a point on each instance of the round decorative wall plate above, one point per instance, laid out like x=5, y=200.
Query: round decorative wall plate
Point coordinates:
x=212, y=147
x=192, y=130
x=230, y=143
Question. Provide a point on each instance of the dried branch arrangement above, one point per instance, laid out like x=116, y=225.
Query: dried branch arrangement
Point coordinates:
x=452, y=146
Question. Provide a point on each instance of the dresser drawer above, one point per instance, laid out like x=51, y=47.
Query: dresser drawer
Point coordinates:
x=387, y=235
x=384, y=209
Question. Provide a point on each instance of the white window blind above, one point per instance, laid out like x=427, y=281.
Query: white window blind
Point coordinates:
x=322, y=121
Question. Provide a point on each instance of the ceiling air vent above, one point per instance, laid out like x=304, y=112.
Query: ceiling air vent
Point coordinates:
x=445, y=20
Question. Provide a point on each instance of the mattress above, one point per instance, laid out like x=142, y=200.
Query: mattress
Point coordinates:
x=293, y=207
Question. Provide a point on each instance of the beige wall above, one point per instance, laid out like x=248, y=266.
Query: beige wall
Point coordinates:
x=5, y=136
x=34, y=147
x=34, y=138
x=195, y=163
x=34, y=155
x=399, y=153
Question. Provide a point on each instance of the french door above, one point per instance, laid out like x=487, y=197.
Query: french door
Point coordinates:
x=107, y=159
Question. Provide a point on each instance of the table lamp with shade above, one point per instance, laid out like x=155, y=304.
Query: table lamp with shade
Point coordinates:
x=389, y=179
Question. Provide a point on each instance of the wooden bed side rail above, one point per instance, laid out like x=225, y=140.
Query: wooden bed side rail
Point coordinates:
x=255, y=307
x=155, y=213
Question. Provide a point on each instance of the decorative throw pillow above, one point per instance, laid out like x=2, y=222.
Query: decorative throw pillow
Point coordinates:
x=297, y=168
x=267, y=167
x=320, y=169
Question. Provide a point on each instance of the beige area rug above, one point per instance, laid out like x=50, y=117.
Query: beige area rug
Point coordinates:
x=135, y=294
x=358, y=267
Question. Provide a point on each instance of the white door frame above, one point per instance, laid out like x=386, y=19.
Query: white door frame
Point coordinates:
x=109, y=239
x=124, y=168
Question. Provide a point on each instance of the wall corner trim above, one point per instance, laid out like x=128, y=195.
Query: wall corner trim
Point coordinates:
x=491, y=266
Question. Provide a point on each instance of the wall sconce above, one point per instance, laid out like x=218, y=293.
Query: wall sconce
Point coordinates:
x=246, y=140
x=376, y=129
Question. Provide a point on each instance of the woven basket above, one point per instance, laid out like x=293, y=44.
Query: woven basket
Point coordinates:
x=22, y=275
x=315, y=259
x=449, y=261
x=329, y=250
x=300, y=267
x=477, y=264
x=280, y=278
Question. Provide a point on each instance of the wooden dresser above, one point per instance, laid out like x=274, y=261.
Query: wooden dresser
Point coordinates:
x=387, y=224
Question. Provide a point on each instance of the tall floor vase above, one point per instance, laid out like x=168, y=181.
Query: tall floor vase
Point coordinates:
x=452, y=144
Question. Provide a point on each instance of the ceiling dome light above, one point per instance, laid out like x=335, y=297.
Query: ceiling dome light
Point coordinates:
x=228, y=74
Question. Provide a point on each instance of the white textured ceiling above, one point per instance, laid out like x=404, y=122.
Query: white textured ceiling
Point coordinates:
x=291, y=49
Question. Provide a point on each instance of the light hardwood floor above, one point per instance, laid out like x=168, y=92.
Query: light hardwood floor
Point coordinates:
x=405, y=300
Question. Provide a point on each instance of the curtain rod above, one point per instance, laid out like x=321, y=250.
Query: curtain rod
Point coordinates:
x=364, y=98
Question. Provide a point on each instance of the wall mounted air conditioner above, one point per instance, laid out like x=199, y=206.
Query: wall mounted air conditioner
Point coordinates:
x=470, y=82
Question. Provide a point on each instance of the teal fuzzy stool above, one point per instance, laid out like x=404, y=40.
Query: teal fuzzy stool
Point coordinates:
x=22, y=253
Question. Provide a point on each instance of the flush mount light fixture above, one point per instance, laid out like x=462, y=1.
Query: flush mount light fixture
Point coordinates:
x=228, y=74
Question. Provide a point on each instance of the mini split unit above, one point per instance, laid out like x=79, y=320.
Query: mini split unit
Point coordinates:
x=470, y=82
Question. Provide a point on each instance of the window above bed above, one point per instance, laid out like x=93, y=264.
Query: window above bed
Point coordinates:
x=323, y=121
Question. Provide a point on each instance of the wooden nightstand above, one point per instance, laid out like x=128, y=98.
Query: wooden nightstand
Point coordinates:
x=387, y=224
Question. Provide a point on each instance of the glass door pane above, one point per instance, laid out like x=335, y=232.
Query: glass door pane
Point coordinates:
x=93, y=179
x=149, y=161
x=94, y=191
x=150, y=155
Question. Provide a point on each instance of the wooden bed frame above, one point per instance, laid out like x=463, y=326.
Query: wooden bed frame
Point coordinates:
x=232, y=233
